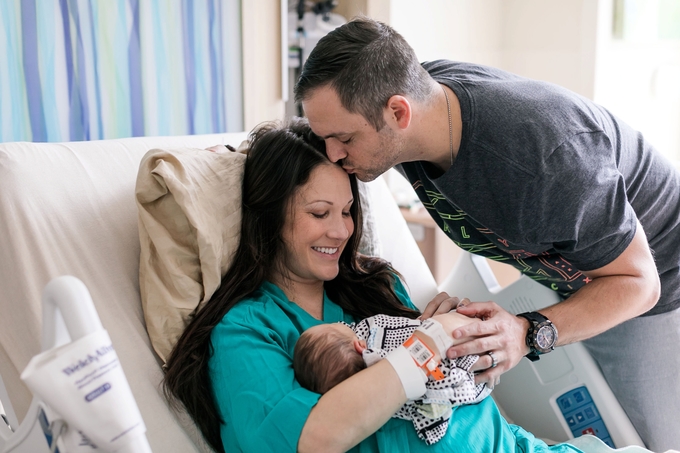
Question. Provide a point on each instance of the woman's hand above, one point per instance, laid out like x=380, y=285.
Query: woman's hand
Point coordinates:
x=500, y=333
x=442, y=303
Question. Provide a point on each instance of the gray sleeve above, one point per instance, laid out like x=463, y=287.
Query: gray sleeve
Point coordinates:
x=581, y=207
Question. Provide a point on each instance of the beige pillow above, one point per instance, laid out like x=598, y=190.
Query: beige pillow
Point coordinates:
x=189, y=203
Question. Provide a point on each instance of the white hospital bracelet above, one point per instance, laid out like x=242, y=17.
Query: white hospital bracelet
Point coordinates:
x=435, y=330
x=411, y=376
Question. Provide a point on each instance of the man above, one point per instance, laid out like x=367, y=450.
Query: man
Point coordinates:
x=531, y=174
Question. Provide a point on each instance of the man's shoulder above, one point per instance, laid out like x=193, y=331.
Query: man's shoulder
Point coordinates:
x=441, y=70
x=487, y=86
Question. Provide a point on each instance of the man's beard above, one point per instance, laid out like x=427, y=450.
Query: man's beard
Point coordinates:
x=390, y=148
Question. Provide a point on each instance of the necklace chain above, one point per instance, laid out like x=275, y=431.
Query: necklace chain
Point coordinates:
x=448, y=108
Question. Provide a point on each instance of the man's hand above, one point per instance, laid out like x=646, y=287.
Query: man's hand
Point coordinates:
x=500, y=333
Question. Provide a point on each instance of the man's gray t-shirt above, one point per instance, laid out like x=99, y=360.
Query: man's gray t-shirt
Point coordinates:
x=549, y=182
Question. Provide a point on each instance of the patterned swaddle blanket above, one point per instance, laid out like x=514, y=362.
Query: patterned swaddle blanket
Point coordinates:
x=431, y=413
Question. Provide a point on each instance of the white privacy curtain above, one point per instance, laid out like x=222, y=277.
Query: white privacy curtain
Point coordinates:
x=93, y=69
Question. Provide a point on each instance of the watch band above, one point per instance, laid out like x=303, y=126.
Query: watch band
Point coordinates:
x=533, y=356
x=533, y=317
x=536, y=322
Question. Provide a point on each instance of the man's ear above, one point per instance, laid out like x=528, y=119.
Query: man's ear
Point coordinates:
x=398, y=111
x=359, y=345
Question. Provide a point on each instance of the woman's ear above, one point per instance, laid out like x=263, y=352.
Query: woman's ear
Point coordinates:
x=359, y=345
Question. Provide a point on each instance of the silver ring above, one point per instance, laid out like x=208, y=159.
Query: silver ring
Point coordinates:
x=494, y=361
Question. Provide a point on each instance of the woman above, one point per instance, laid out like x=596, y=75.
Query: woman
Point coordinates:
x=297, y=266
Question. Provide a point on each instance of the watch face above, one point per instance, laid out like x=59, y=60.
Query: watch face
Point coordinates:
x=545, y=338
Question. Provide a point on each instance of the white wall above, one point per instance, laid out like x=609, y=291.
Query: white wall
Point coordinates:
x=262, y=96
x=454, y=29
x=639, y=80
x=551, y=40
x=546, y=40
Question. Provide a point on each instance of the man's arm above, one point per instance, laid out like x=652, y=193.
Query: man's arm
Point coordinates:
x=621, y=290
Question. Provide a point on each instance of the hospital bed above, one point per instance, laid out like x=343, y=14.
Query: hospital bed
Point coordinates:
x=69, y=209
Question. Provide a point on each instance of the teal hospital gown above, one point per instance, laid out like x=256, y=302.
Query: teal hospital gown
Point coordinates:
x=264, y=408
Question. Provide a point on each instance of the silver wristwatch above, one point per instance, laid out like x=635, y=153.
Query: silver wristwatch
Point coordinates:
x=541, y=336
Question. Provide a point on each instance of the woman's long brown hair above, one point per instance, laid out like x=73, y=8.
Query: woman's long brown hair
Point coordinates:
x=280, y=160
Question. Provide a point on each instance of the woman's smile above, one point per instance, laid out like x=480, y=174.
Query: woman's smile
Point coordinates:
x=328, y=251
x=318, y=225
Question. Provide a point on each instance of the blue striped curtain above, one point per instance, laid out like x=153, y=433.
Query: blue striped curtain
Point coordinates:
x=101, y=69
